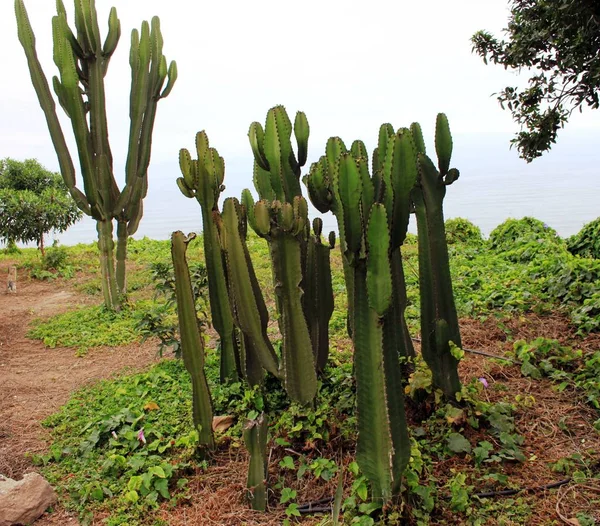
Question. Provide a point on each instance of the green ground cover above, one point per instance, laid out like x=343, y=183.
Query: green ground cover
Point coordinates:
x=124, y=448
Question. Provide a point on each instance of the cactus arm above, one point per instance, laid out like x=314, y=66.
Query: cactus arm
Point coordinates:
x=247, y=301
x=443, y=143
x=404, y=177
x=222, y=318
x=347, y=184
x=42, y=89
x=425, y=283
x=297, y=353
x=318, y=299
x=379, y=272
x=255, y=435
x=399, y=303
x=374, y=441
x=301, y=131
x=192, y=347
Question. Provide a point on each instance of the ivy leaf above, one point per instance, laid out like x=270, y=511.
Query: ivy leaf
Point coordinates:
x=457, y=443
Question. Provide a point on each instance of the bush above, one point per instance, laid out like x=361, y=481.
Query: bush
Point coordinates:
x=460, y=230
x=514, y=232
x=55, y=258
x=586, y=243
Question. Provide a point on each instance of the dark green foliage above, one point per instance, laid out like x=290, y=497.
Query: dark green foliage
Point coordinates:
x=586, y=243
x=514, y=232
x=459, y=230
x=33, y=202
x=559, y=41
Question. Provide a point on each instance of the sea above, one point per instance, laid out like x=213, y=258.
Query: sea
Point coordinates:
x=561, y=188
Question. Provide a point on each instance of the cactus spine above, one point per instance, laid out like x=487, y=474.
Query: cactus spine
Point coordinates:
x=439, y=320
x=192, y=347
x=203, y=179
x=255, y=437
x=82, y=61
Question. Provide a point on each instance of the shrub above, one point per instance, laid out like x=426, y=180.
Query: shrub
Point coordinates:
x=460, y=230
x=55, y=258
x=513, y=232
x=586, y=243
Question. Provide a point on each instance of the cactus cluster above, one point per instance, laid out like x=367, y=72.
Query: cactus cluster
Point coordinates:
x=372, y=204
x=300, y=260
x=82, y=60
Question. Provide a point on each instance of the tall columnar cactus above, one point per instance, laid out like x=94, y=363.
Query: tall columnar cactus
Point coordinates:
x=281, y=217
x=255, y=437
x=373, y=216
x=192, y=347
x=82, y=60
x=439, y=320
x=203, y=179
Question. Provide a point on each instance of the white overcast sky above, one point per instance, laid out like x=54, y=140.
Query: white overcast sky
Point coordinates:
x=349, y=65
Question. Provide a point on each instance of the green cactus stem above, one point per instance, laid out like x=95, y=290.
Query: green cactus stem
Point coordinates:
x=248, y=304
x=82, y=62
x=318, y=302
x=202, y=178
x=281, y=217
x=192, y=347
x=383, y=447
x=255, y=434
x=439, y=319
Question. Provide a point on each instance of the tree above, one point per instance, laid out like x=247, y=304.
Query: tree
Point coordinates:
x=82, y=60
x=559, y=41
x=33, y=202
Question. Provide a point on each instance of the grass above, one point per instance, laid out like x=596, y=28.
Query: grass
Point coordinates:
x=521, y=424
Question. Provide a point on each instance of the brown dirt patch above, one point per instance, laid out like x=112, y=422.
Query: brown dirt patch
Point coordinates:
x=35, y=381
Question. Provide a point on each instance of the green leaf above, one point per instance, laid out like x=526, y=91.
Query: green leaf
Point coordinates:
x=162, y=486
x=287, y=463
x=287, y=494
x=528, y=369
x=458, y=443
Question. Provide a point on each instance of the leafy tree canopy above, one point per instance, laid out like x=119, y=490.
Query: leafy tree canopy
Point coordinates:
x=559, y=40
x=33, y=202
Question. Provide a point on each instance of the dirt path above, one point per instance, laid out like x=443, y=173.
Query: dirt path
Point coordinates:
x=35, y=381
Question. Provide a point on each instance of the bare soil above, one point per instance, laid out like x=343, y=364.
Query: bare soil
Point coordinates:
x=35, y=380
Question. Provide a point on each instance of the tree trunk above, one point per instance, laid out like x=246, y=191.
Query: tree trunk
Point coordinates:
x=122, y=238
x=106, y=244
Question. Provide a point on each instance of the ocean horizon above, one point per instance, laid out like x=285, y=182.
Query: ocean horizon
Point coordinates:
x=561, y=189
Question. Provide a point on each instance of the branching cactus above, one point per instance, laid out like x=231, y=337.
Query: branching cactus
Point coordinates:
x=439, y=320
x=203, y=179
x=255, y=437
x=373, y=216
x=82, y=61
x=192, y=347
x=281, y=217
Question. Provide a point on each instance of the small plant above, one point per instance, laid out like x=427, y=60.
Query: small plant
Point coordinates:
x=460, y=230
x=586, y=243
